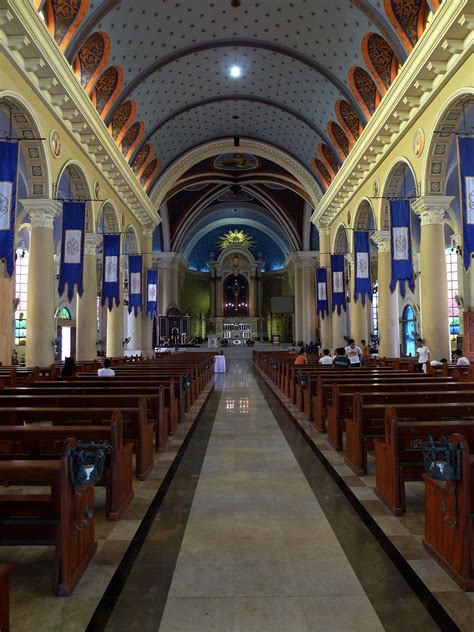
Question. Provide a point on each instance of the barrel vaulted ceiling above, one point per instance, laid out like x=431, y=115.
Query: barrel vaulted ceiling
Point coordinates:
x=313, y=72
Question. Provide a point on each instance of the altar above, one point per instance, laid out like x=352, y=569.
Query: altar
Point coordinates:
x=237, y=330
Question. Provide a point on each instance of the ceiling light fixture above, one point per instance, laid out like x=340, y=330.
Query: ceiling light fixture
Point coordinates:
x=235, y=72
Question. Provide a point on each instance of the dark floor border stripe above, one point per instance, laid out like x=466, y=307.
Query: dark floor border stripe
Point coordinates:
x=434, y=608
x=114, y=589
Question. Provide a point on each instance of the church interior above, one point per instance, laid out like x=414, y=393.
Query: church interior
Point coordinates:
x=236, y=315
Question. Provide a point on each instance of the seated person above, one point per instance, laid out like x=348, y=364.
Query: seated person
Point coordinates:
x=461, y=360
x=292, y=352
x=438, y=363
x=68, y=368
x=326, y=357
x=301, y=358
x=341, y=361
x=353, y=352
x=106, y=371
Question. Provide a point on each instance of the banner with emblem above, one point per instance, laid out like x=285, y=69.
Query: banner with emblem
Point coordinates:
x=151, y=293
x=8, y=180
x=72, y=249
x=362, y=285
x=135, y=284
x=322, y=301
x=400, y=235
x=111, y=271
x=338, y=285
x=466, y=186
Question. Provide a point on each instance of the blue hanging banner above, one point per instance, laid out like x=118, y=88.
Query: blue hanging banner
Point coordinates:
x=72, y=249
x=466, y=185
x=362, y=285
x=135, y=284
x=8, y=180
x=400, y=235
x=111, y=270
x=151, y=293
x=338, y=286
x=322, y=303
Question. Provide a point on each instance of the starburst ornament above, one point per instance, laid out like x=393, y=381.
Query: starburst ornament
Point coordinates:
x=236, y=237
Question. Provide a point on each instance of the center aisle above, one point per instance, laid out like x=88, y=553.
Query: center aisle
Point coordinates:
x=258, y=552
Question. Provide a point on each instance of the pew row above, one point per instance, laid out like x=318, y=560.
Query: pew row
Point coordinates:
x=5, y=570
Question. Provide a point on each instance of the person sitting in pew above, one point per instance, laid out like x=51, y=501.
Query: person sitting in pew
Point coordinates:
x=460, y=359
x=106, y=371
x=341, y=361
x=68, y=368
x=353, y=352
x=326, y=358
x=436, y=364
x=302, y=358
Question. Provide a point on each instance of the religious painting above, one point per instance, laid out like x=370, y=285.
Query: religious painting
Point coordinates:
x=236, y=162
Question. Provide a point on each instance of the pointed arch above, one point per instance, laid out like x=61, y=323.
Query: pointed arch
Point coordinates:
x=121, y=120
x=132, y=138
x=380, y=60
x=408, y=17
x=329, y=159
x=322, y=172
x=349, y=120
x=106, y=90
x=142, y=157
x=339, y=139
x=149, y=173
x=364, y=89
x=341, y=240
x=91, y=59
x=63, y=19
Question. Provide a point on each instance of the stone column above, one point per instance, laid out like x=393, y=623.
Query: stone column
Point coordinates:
x=434, y=282
x=299, y=335
x=308, y=295
x=147, y=323
x=86, y=318
x=7, y=287
x=134, y=330
x=115, y=324
x=358, y=312
x=325, y=262
x=219, y=296
x=41, y=282
x=212, y=286
x=389, y=329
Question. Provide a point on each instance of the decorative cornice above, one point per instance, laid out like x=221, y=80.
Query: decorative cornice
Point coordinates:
x=444, y=46
x=432, y=208
x=381, y=239
x=30, y=48
x=42, y=212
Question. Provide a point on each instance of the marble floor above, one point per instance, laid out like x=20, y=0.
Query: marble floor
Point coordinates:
x=254, y=535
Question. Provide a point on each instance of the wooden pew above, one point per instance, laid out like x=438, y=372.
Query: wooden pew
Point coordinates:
x=398, y=457
x=452, y=545
x=424, y=390
x=25, y=442
x=137, y=429
x=63, y=518
x=367, y=424
x=5, y=570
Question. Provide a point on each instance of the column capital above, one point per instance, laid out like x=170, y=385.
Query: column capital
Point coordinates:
x=323, y=229
x=303, y=259
x=381, y=239
x=42, y=212
x=147, y=231
x=431, y=208
x=91, y=242
x=171, y=260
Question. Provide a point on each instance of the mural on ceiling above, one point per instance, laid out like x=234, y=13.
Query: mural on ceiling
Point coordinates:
x=236, y=162
x=89, y=52
x=236, y=237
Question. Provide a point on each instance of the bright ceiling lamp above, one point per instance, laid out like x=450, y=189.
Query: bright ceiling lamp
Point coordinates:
x=235, y=72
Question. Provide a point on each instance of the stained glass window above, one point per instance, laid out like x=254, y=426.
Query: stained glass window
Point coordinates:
x=453, y=290
x=21, y=293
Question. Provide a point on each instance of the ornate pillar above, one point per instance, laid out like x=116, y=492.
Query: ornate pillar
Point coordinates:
x=434, y=282
x=325, y=262
x=308, y=294
x=86, y=318
x=358, y=312
x=7, y=287
x=147, y=323
x=115, y=324
x=41, y=282
x=134, y=330
x=298, y=301
x=389, y=329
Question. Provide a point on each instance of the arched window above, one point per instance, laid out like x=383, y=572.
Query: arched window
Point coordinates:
x=21, y=295
x=63, y=313
x=409, y=331
x=453, y=291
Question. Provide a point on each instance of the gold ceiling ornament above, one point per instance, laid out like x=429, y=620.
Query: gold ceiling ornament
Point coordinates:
x=236, y=237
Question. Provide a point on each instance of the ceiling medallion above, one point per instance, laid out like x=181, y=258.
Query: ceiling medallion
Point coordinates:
x=55, y=143
x=418, y=142
x=236, y=238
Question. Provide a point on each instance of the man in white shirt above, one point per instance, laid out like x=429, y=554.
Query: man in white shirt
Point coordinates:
x=354, y=353
x=461, y=360
x=106, y=371
x=423, y=355
x=326, y=357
